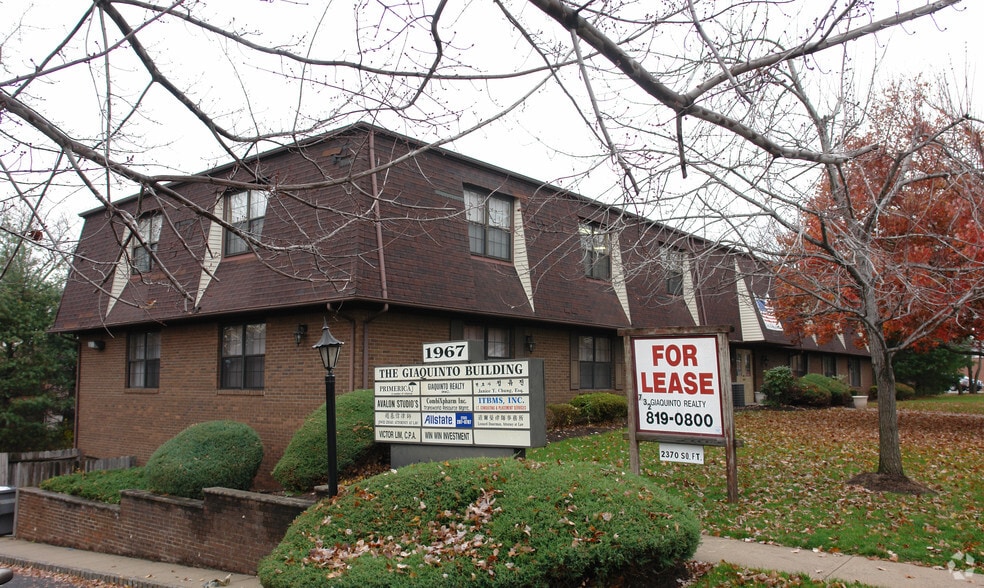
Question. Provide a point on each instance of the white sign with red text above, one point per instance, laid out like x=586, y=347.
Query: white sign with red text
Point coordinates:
x=678, y=385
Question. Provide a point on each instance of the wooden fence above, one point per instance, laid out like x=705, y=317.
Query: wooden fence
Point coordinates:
x=29, y=469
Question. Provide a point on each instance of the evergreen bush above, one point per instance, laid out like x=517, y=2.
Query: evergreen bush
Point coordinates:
x=778, y=385
x=562, y=415
x=902, y=392
x=99, y=485
x=304, y=464
x=840, y=393
x=601, y=407
x=214, y=453
x=807, y=393
x=482, y=522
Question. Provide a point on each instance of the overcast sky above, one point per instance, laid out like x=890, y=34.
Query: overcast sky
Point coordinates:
x=948, y=45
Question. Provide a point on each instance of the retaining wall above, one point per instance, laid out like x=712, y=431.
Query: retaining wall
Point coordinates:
x=229, y=530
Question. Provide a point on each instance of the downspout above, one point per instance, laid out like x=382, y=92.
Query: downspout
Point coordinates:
x=351, y=367
x=78, y=389
x=382, y=261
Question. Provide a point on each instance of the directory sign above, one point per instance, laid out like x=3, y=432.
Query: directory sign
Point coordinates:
x=499, y=404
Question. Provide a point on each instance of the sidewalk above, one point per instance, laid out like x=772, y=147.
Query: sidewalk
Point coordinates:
x=127, y=571
x=829, y=566
x=822, y=566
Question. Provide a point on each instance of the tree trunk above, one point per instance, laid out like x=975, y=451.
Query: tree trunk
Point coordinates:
x=889, y=445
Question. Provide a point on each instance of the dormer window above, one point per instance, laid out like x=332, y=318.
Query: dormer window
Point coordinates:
x=149, y=231
x=489, y=224
x=245, y=211
x=596, y=251
x=673, y=266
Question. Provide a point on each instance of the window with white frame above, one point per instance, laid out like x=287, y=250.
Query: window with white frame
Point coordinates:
x=489, y=224
x=143, y=366
x=596, y=251
x=243, y=356
x=148, y=235
x=245, y=211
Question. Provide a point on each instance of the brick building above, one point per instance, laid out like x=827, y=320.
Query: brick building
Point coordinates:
x=181, y=319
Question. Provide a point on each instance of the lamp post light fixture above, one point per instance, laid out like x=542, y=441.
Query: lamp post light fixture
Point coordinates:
x=329, y=347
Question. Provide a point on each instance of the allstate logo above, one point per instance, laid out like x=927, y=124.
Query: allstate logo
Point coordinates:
x=961, y=559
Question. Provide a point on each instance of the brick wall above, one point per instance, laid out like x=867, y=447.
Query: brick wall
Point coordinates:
x=114, y=420
x=228, y=530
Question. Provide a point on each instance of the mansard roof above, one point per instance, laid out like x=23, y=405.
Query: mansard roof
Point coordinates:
x=398, y=237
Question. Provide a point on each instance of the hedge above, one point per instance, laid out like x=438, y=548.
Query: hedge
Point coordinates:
x=99, y=485
x=601, y=407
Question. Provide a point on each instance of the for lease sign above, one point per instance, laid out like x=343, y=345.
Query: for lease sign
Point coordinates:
x=678, y=385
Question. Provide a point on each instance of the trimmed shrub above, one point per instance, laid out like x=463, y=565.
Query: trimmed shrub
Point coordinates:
x=560, y=416
x=810, y=394
x=100, y=485
x=778, y=385
x=304, y=464
x=840, y=393
x=902, y=392
x=601, y=407
x=214, y=453
x=482, y=522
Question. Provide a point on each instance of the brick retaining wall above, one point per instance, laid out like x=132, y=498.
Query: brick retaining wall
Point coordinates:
x=229, y=530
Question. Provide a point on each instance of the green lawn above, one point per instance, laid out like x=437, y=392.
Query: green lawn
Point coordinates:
x=961, y=403
x=792, y=470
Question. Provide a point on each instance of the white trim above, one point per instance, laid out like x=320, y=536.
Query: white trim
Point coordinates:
x=121, y=275
x=618, y=276
x=521, y=260
x=689, y=292
x=213, y=252
x=751, y=329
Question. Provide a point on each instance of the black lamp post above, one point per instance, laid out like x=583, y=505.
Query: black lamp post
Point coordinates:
x=329, y=347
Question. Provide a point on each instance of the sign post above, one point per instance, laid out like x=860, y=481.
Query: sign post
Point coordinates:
x=680, y=395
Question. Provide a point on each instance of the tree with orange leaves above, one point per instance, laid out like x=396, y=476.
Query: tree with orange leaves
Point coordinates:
x=890, y=248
